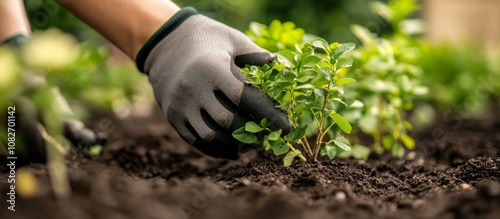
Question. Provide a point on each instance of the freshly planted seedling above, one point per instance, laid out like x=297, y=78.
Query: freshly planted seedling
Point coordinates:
x=307, y=84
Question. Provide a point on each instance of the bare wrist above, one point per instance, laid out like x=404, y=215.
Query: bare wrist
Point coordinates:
x=127, y=24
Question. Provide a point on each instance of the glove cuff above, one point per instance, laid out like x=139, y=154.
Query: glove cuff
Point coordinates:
x=15, y=41
x=161, y=33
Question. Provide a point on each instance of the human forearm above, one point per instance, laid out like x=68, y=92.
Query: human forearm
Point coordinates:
x=13, y=19
x=127, y=24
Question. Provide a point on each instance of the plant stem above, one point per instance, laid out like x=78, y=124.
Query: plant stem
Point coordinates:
x=305, y=143
x=299, y=154
x=321, y=133
x=295, y=124
x=397, y=130
x=378, y=137
x=56, y=164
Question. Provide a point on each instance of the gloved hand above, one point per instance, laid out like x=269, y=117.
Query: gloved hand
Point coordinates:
x=192, y=62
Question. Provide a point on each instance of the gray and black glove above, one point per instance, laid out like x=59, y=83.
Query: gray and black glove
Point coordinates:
x=192, y=62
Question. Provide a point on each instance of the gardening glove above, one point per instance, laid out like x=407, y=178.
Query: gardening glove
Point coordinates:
x=192, y=62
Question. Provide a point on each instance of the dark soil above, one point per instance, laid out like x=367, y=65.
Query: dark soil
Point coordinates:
x=146, y=171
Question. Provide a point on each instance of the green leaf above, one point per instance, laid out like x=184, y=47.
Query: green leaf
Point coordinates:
x=310, y=61
x=272, y=75
x=265, y=67
x=287, y=58
x=267, y=145
x=407, y=141
x=342, y=81
x=280, y=149
x=407, y=125
x=307, y=98
x=339, y=90
x=342, y=122
x=297, y=133
x=368, y=123
x=330, y=151
x=253, y=127
x=360, y=152
x=95, y=150
x=398, y=151
x=289, y=75
x=344, y=62
x=307, y=75
x=257, y=28
x=275, y=135
x=308, y=50
x=244, y=136
x=388, y=142
x=363, y=34
x=340, y=101
x=265, y=123
x=342, y=143
x=381, y=9
x=289, y=157
x=322, y=44
x=343, y=49
x=275, y=29
x=334, y=46
x=320, y=92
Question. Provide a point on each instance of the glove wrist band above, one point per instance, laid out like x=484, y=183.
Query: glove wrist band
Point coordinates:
x=15, y=41
x=161, y=33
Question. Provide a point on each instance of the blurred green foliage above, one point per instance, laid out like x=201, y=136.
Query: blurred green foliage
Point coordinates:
x=328, y=19
x=464, y=76
x=53, y=66
x=278, y=36
x=83, y=72
x=389, y=80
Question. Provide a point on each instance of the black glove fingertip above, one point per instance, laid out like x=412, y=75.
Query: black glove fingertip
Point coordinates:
x=257, y=58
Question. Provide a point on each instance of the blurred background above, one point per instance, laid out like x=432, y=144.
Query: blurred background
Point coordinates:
x=453, y=20
x=328, y=19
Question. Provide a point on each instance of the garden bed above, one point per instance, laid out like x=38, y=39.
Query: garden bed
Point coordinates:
x=146, y=171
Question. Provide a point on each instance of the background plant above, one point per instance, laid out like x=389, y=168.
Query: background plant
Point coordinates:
x=388, y=84
x=38, y=77
x=53, y=67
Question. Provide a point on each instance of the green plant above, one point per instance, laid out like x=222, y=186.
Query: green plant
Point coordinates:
x=54, y=66
x=328, y=19
x=278, y=36
x=306, y=83
x=388, y=79
x=36, y=78
x=460, y=78
x=388, y=83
